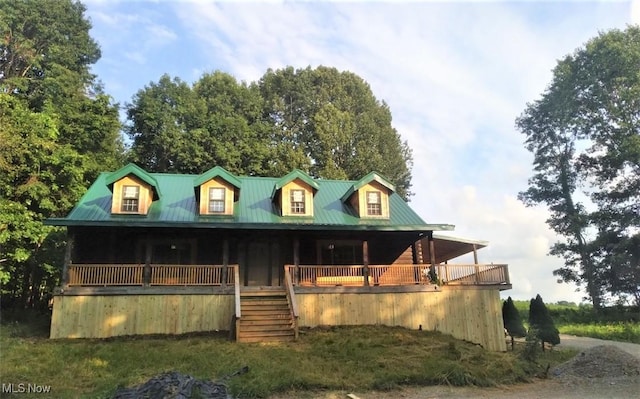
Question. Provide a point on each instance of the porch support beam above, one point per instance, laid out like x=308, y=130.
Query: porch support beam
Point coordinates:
x=432, y=252
x=365, y=262
x=67, y=258
x=475, y=254
x=146, y=275
x=296, y=258
x=225, y=261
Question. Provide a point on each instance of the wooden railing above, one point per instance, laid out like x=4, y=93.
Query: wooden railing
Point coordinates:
x=291, y=298
x=473, y=274
x=238, y=307
x=323, y=275
x=105, y=275
x=159, y=275
x=188, y=275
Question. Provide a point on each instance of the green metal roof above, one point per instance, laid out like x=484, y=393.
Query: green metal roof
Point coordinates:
x=217, y=171
x=372, y=176
x=133, y=169
x=178, y=207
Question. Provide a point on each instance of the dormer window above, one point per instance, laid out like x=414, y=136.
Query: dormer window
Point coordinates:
x=130, y=199
x=297, y=202
x=216, y=200
x=293, y=194
x=369, y=197
x=374, y=203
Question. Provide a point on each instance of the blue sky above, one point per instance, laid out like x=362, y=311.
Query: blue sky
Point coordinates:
x=455, y=75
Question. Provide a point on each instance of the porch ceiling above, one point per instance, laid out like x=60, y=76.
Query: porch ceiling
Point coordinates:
x=447, y=247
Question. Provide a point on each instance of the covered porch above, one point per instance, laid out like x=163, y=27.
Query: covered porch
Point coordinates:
x=147, y=258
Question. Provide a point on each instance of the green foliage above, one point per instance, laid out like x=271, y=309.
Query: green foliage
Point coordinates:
x=354, y=358
x=615, y=331
x=530, y=352
x=541, y=322
x=217, y=122
x=584, y=134
x=512, y=321
x=322, y=121
x=333, y=125
x=619, y=323
x=57, y=130
x=46, y=50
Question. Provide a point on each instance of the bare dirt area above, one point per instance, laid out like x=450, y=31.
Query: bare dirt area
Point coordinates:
x=602, y=369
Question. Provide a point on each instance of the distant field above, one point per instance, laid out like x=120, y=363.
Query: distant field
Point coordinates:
x=613, y=323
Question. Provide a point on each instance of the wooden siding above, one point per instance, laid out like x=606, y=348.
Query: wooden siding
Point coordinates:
x=471, y=315
x=102, y=316
x=285, y=197
x=359, y=200
x=228, y=196
x=406, y=258
x=144, y=200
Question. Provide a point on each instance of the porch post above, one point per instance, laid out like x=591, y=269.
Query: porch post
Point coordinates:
x=432, y=254
x=225, y=261
x=146, y=275
x=67, y=258
x=296, y=258
x=365, y=262
x=475, y=254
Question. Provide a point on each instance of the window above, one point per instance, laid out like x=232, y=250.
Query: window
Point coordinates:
x=130, y=199
x=374, y=206
x=216, y=200
x=297, y=202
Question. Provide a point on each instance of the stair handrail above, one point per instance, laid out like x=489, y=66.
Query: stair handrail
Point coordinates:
x=291, y=297
x=236, y=280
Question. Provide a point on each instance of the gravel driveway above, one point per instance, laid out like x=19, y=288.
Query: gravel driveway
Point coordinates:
x=577, y=388
x=571, y=341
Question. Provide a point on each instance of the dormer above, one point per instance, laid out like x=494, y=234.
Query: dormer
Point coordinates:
x=133, y=190
x=294, y=194
x=369, y=196
x=216, y=191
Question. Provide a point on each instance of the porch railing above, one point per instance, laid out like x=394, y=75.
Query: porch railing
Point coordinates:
x=324, y=275
x=105, y=275
x=473, y=274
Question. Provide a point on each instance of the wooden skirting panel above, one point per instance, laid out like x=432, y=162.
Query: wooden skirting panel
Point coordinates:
x=102, y=316
x=471, y=315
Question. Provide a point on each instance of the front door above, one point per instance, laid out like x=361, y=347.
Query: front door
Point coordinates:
x=258, y=267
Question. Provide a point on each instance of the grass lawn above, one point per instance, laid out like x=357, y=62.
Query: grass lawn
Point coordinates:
x=353, y=358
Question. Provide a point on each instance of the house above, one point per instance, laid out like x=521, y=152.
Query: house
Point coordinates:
x=152, y=253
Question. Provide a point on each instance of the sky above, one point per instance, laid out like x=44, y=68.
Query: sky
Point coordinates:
x=455, y=75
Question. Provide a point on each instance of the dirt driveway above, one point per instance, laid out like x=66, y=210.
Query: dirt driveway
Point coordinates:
x=575, y=388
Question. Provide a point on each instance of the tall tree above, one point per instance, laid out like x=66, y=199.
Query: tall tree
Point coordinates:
x=584, y=134
x=57, y=129
x=330, y=124
x=325, y=122
x=176, y=127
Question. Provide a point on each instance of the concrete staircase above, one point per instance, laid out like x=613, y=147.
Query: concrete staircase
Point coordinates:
x=265, y=316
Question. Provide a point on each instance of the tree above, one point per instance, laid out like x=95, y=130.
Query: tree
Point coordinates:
x=584, y=134
x=330, y=124
x=512, y=321
x=57, y=130
x=541, y=323
x=325, y=122
x=46, y=50
x=176, y=127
